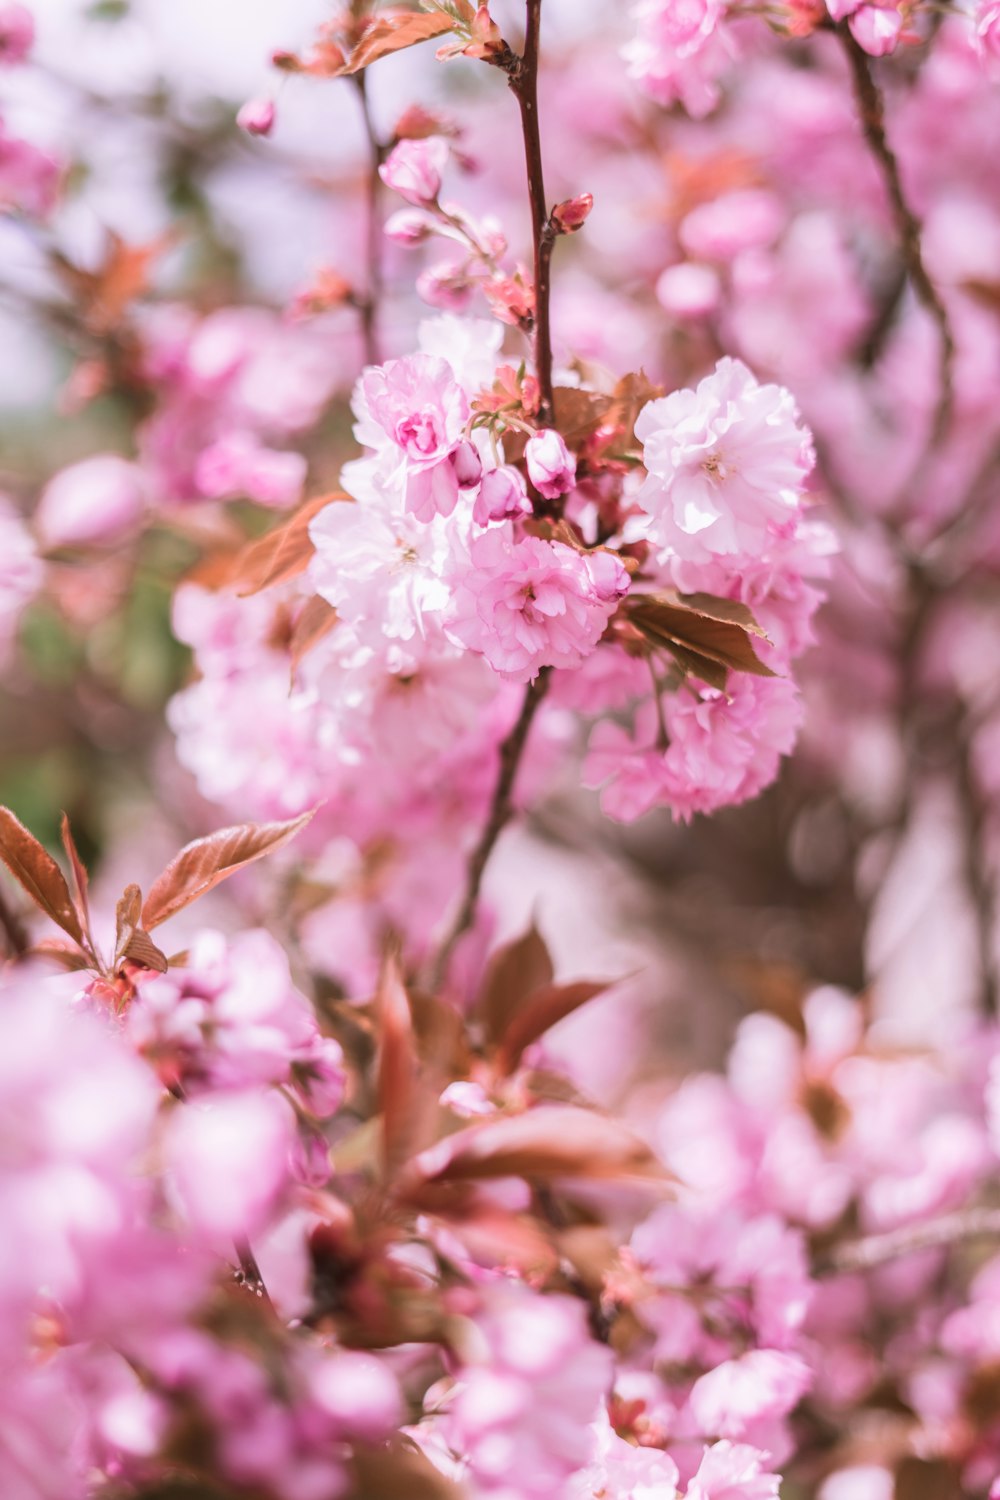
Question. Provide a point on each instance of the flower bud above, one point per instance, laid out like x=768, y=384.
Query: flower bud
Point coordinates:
x=876, y=29
x=17, y=33
x=468, y=466
x=688, y=290
x=551, y=466
x=568, y=216
x=413, y=170
x=256, y=117
x=409, y=226
x=501, y=495
x=97, y=500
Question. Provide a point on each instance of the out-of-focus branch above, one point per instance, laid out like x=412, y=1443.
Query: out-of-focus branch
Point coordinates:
x=14, y=932
x=878, y=1249
x=871, y=110
x=501, y=808
x=368, y=305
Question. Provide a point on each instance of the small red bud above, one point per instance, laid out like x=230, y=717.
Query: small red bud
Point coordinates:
x=567, y=217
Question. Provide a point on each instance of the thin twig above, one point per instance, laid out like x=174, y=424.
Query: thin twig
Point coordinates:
x=523, y=80
x=14, y=930
x=368, y=305
x=871, y=109
x=501, y=809
x=878, y=1249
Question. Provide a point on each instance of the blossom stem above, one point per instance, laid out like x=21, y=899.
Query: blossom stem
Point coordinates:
x=523, y=79
x=871, y=110
x=368, y=305
x=16, y=937
x=500, y=812
x=878, y=1249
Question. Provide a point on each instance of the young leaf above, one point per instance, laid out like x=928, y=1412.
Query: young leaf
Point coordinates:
x=61, y=952
x=698, y=629
x=316, y=620
x=540, y=1011
x=205, y=862
x=514, y=972
x=283, y=553
x=397, y=1066
x=578, y=413
x=555, y=1140
x=400, y=1471
x=392, y=33
x=78, y=872
x=37, y=871
x=140, y=949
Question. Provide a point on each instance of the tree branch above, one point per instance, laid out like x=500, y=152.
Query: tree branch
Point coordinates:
x=871, y=110
x=368, y=305
x=878, y=1249
x=500, y=812
x=523, y=80
x=15, y=934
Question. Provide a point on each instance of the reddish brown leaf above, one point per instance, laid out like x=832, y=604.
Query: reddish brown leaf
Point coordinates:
x=550, y=1141
x=282, y=554
x=397, y=1066
x=578, y=413
x=205, y=862
x=128, y=914
x=62, y=952
x=399, y=1471
x=105, y=294
x=140, y=949
x=541, y=1010
x=392, y=32
x=628, y=398
x=514, y=972
x=78, y=873
x=706, y=638
x=37, y=871
x=316, y=620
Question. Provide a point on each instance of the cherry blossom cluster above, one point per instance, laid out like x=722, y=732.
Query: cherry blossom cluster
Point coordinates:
x=557, y=510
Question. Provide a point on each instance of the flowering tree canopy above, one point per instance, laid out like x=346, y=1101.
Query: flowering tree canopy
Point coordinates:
x=499, y=735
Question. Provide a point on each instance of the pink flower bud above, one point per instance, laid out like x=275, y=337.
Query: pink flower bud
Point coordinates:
x=413, y=170
x=501, y=494
x=468, y=466
x=551, y=466
x=359, y=1391
x=688, y=291
x=256, y=117
x=17, y=33
x=96, y=500
x=409, y=226
x=876, y=29
x=445, y=286
x=569, y=215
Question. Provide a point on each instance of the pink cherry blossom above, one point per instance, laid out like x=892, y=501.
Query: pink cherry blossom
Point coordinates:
x=17, y=32
x=725, y=465
x=413, y=169
x=421, y=408
x=551, y=466
x=680, y=51
x=532, y=603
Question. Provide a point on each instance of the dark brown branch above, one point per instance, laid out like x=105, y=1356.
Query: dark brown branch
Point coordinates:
x=976, y=870
x=523, y=79
x=501, y=809
x=15, y=934
x=871, y=109
x=878, y=1249
x=368, y=305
